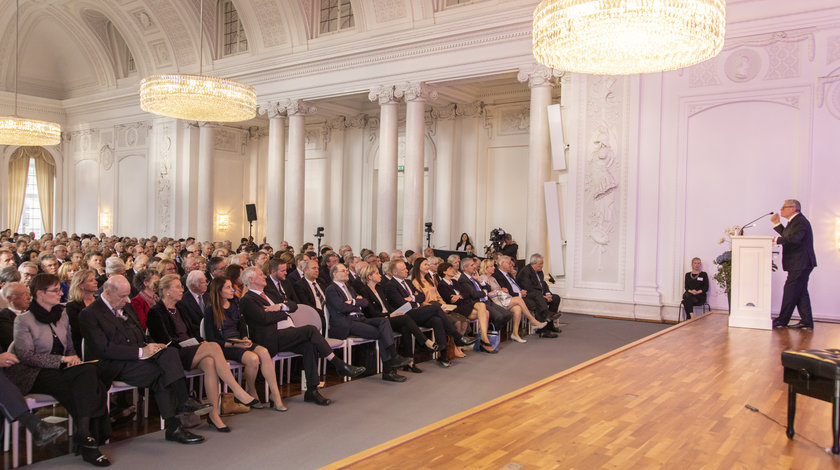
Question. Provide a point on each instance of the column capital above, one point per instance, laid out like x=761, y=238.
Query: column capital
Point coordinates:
x=358, y=121
x=415, y=91
x=339, y=122
x=538, y=75
x=444, y=112
x=273, y=109
x=469, y=109
x=384, y=94
x=299, y=107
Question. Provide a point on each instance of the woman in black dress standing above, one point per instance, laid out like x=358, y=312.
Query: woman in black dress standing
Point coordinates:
x=696, y=286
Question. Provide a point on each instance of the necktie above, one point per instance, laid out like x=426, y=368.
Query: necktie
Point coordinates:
x=200, y=300
x=280, y=289
x=119, y=314
x=262, y=294
x=346, y=292
x=512, y=282
x=318, y=294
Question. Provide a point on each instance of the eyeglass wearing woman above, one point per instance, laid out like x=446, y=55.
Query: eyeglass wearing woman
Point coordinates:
x=49, y=364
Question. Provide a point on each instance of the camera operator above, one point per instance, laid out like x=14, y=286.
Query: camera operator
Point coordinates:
x=509, y=246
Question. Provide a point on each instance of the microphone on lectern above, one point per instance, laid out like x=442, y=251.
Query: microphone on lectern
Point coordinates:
x=747, y=225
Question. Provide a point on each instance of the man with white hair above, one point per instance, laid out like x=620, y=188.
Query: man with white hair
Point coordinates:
x=539, y=300
x=195, y=299
x=61, y=252
x=113, y=336
x=27, y=271
x=17, y=298
x=7, y=259
x=262, y=316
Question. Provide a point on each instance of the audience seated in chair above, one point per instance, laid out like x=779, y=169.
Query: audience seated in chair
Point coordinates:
x=696, y=286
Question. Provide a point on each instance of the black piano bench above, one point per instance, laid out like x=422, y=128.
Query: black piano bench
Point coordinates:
x=814, y=373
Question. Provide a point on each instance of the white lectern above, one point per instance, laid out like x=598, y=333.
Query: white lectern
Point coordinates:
x=752, y=259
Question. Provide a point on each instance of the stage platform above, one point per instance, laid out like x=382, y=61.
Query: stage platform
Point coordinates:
x=675, y=399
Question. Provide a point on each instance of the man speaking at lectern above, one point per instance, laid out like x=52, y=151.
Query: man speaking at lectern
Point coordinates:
x=798, y=259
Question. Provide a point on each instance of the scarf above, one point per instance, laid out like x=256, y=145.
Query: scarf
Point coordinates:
x=45, y=316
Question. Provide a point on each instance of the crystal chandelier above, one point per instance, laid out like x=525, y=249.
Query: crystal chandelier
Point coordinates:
x=198, y=97
x=15, y=130
x=618, y=37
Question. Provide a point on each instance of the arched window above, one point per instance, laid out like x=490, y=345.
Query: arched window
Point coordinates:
x=233, y=36
x=123, y=59
x=31, y=190
x=335, y=15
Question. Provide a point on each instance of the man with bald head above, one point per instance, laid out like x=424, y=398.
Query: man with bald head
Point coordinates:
x=112, y=335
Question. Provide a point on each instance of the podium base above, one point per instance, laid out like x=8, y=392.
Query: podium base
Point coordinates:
x=754, y=320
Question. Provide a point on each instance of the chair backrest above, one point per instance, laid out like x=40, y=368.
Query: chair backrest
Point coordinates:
x=201, y=329
x=306, y=315
x=326, y=320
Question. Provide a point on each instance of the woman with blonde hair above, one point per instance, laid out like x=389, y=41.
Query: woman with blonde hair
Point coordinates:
x=422, y=280
x=167, y=325
x=503, y=298
x=65, y=275
x=82, y=292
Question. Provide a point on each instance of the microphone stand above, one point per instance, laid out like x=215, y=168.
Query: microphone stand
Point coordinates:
x=741, y=231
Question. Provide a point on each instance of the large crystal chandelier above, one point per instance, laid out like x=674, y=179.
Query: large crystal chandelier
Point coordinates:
x=198, y=97
x=15, y=130
x=617, y=37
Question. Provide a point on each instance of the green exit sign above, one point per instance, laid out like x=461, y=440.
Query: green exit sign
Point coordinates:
x=400, y=167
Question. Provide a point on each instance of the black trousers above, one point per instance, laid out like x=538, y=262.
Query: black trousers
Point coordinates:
x=79, y=390
x=540, y=307
x=407, y=327
x=374, y=328
x=796, y=296
x=432, y=316
x=12, y=404
x=309, y=343
x=163, y=375
x=692, y=300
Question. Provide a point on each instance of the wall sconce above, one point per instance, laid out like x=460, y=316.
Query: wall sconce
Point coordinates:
x=837, y=233
x=222, y=222
x=105, y=221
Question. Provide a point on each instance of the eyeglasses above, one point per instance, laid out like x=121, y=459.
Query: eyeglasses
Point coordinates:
x=54, y=290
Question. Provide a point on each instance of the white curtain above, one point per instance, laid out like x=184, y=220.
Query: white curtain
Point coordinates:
x=18, y=171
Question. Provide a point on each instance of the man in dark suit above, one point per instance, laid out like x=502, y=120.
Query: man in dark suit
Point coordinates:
x=399, y=290
x=538, y=298
x=262, y=316
x=509, y=247
x=330, y=259
x=113, y=336
x=471, y=287
x=346, y=319
x=798, y=259
x=194, y=300
x=277, y=287
x=17, y=295
x=301, y=260
x=310, y=290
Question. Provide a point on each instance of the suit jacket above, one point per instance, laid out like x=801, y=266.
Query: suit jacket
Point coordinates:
x=395, y=294
x=324, y=277
x=340, y=311
x=469, y=291
x=293, y=277
x=162, y=328
x=374, y=307
x=797, y=240
x=531, y=281
x=290, y=297
x=304, y=292
x=511, y=250
x=33, y=346
x=215, y=334
x=499, y=276
x=7, y=328
x=111, y=340
x=262, y=325
x=189, y=310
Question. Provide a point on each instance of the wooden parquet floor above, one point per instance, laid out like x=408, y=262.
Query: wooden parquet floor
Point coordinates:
x=674, y=400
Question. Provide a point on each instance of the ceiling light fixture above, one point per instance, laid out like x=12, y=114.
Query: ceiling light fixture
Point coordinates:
x=620, y=37
x=198, y=97
x=15, y=130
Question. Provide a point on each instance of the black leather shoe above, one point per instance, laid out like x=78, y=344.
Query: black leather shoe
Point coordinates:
x=314, y=397
x=464, y=340
x=801, y=326
x=45, y=433
x=351, y=371
x=398, y=361
x=392, y=376
x=545, y=333
x=550, y=327
x=89, y=450
x=435, y=348
x=196, y=408
x=217, y=428
x=777, y=326
x=487, y=348
x=413, y=368
x=443, y=362
x=179, y=434
x=554, y=316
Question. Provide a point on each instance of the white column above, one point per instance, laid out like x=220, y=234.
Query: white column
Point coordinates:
x=275, y=174
x=335, y=188
x=295, y=176
x=386, y=214
x=415, y=95
x=353, y=156
x=205, y=217
x=541, y=80
x=445, y=145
